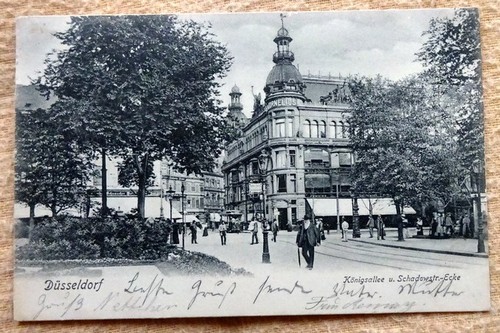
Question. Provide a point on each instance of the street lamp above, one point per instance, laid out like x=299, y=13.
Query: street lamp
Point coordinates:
x=183, y=216
x=477, y=170
x=356, y=233
x=263, y=163
x=170, y=197
x=161, y=193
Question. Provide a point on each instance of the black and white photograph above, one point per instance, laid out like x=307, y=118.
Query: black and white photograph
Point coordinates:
x=243, y=164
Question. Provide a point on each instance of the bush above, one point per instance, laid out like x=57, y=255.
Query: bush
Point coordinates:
x=68, y=237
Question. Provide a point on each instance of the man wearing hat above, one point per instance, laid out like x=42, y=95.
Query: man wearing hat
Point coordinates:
x=307, y=238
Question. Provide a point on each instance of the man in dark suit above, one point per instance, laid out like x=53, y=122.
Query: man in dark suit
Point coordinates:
x=307, y=238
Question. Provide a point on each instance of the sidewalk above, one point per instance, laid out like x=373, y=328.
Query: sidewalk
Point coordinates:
x=456, y=246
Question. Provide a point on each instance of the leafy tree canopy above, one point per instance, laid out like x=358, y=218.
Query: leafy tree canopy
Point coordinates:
x=146, y=89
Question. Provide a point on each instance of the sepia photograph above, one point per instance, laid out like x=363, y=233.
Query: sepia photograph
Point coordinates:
x=214, y=165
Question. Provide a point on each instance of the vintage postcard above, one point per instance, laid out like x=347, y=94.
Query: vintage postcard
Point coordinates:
x=210, y=165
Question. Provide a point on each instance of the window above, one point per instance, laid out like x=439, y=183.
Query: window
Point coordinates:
x=333, y=130
x=292, y=158
x=344, y=159
x=314, y=129
x=289, y=129
x=293, y=183
x=307, y=129
x=280, y=159
x=255, y=167
x=281, y=183
x=280, y=128
x=341, y=134
x=322, y=129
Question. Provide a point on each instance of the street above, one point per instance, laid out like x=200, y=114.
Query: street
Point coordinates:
x=333, y=254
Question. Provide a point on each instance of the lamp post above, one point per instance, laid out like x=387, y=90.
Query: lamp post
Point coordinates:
x=263, y=162
x=356, y=233
x=161, y=193
x=183, y=216
x=477, y=170
x=170, y=196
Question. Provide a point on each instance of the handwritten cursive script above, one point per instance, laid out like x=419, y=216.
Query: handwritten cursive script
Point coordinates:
x=266, y=287
x=332, y=301
x=220, y=289
x=69, y=302
x=154, y=288
x=441, y=288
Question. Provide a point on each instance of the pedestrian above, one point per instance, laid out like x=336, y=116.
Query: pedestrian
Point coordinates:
x=274, y=229
x=448, y=222
x=380, y=228
x=222, y=232
x=345, y=229
x=205, y=230
x=420, y=227
x=194, y=232
x=307, y=238
x=466, y=226
x=405, y=227
x=370, y=225
x=398, y=220
x=434, y=225
x=321, y=229
x=440, y=225
x=255, y=232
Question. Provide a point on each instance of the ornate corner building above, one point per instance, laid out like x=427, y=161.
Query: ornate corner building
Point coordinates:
x=301, y=127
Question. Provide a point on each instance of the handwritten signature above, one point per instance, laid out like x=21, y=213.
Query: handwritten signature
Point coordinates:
x=267, y=288
x=220, y=290
x=441, y=288
x=331, y=301
x=142, y=295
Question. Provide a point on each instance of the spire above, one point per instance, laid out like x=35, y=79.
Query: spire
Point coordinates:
x=284, y=77
x=282, y=41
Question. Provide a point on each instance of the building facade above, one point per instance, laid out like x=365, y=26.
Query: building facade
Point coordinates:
x=301, y=131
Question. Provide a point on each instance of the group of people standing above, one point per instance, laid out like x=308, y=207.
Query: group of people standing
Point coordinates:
x=444, y=226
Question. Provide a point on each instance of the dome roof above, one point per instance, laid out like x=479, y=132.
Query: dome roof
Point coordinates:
x=235, y=89
x=282, y=32
x=284, y=72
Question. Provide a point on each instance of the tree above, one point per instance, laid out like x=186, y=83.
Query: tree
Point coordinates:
x=50, y=167
x=148, y=87
x=402, y=140
x=451, y=57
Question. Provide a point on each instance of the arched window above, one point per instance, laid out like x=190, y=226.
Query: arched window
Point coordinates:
x=307, y=129
x=341, y=128
x=314, y=129
x=322, y=129
x=333, y=129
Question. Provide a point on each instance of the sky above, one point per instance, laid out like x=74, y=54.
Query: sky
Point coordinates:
x=337, y=43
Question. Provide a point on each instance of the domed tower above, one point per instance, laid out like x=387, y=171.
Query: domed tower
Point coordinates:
x=235, y=107
x=284, y=80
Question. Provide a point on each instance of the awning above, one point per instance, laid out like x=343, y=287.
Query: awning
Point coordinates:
x=22, y=210
x=328, y=207
x=380, y=206
x=190, y=218
x=215, y=217
x=152, y=206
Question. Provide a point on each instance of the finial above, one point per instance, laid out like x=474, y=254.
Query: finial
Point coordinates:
x=282, y=16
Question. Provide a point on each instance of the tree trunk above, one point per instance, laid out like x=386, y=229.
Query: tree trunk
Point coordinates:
x=398, y=206
x=32, y=220
x=53, y=209
x=104, y=185
x=142, y=167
